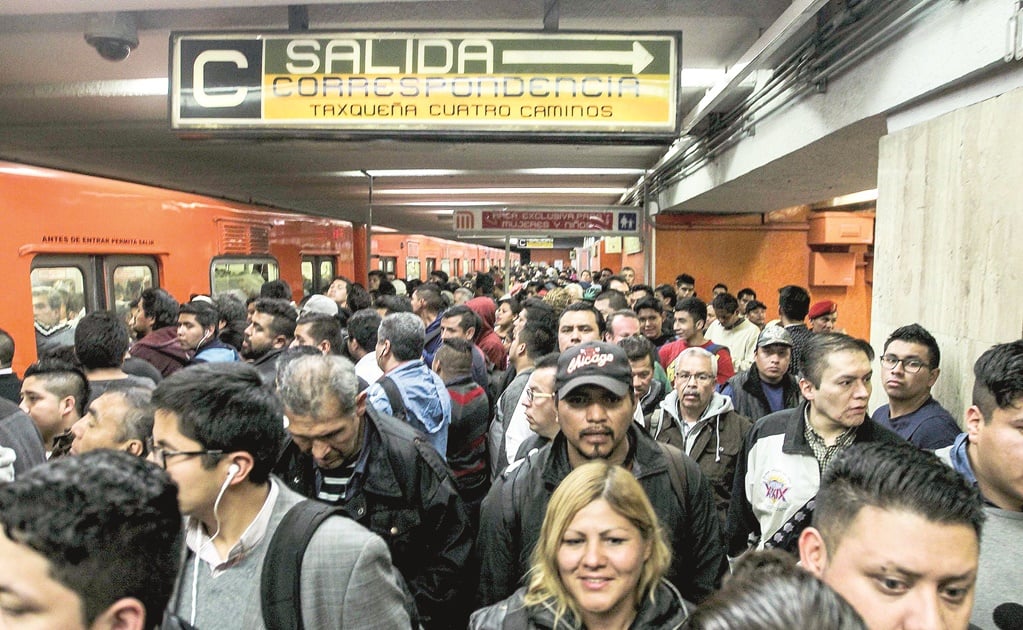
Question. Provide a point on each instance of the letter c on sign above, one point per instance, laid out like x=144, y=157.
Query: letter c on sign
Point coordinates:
x=202, y=97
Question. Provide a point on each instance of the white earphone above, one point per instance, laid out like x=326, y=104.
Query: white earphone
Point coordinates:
x=233, y=470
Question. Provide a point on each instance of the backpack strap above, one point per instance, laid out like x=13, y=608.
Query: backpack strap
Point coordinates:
x=394, y=397
x=677, y=474
x=280, y=582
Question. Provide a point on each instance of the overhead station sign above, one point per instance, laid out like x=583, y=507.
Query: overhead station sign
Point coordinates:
x=456, y=82
x=560, y=221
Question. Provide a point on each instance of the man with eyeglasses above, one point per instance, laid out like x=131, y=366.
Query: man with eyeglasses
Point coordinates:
x=595, y=404
x=909, y=368
x=702, y=423
x=781, y=463
x=217, y=431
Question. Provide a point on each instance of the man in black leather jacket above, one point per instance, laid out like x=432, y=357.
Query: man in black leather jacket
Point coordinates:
x=385, y=475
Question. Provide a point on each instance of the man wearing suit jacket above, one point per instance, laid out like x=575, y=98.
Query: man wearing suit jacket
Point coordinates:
x=217, y=431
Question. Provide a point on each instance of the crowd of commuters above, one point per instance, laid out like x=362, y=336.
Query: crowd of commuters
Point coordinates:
x=548, y=450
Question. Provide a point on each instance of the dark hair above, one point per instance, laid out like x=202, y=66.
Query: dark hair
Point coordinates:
x=484, y=283
x=646, y=288
x=276, y=290
x=637, y=348
x=753, y=305
x=649, y=303
x=586, y=307
x=767, y=591
x=720, y=285
x=685, y=278
x=549, y=360
x=108, y=524
x=386, y=287
x=616, y=278
x=538, y=339
x=224, y=406
x=893, y=476
x=283, y=316
x=746, y=291
x=467, y=318
x=724, y=303
x=393, y=303
x=161, y=306
x=6, y=348
x=101, y=339
x=615, y=299
x=915, y=333
x=440, y=273
x=793, y=302
x=540, y=313
x=138, y=414
x=998, y=375
x=204, y=313
x=667, y=291
x=819, y=349
x=362, y=327
x=406, y=333
x=430, y=294
x=323, y=327
x=358, y=297
x=62, y=379
x=455, y=356
x=696, y=308
x=376, y=273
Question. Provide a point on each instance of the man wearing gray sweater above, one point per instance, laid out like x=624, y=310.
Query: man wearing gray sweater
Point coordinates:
x=216, y=432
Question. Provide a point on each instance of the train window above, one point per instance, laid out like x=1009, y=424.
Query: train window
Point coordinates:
x=126, y=278
x=317, y=273
x=388, y=264
x=58, y=301
x=412, y=269
x=308, y=282
x=326, y=274
x=244, y=274
x=445, y=265
x=431, y=266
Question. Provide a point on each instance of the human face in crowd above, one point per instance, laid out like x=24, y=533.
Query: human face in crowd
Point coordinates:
x=504, y=316
x=100, y=427
x=711, y=316
x=141, y=324
x=47, y=410
x=725, y=318
x=600, y=562
x=629, y=275
x=622, y=327
x=684, y=290
x=899, y=570
x=190, y=332
x=996, y=453
x=841, y=400
x=197, y=486
x=636, y=296
x=44, y=315
x=450, y=329
x=758, y=316
x=373, y=283
x=694, y=383
x=642, y=376
x=31, y=598
x=577, y=327
x=685, y=326
x=258, y=338
x=331, y=438
x=773, y=362
x=743, y=301
x=900, y=383
x=604, y=306
x=541, y=410
x=824, y=323
x=304, y=338
x=338, y=291
x=650, y=322
x=584, y=276
x=595, y=422
x=618, y=285
x=520, y=322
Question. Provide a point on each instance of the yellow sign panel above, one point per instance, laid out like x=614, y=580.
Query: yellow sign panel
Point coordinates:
x=499, y=82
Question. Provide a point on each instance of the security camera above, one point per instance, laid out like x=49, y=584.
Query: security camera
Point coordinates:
x=113, y=35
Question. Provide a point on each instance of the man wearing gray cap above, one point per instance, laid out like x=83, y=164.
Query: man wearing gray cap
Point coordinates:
x=595, y=403
x=766, y=386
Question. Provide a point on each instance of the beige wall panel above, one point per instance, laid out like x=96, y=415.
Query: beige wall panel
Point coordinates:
x=949, y=237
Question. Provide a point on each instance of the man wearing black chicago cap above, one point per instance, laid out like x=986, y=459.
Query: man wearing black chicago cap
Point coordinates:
x=595, y=406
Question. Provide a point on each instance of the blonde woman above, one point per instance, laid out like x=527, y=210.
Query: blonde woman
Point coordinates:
x=598, y=564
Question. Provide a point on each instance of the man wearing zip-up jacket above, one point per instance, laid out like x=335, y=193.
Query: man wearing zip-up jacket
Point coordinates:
x=702, y=423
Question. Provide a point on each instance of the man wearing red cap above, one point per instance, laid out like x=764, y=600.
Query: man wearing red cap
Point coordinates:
x=823, y=316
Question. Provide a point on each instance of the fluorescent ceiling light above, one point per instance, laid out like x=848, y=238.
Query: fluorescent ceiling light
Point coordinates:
x=586, y=190
x=380, y=228
x=444, y=204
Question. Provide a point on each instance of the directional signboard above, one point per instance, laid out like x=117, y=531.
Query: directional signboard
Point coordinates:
x=449, y=82
x=561, y=221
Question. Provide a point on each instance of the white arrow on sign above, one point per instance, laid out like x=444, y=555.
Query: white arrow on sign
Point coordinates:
x=639, y=57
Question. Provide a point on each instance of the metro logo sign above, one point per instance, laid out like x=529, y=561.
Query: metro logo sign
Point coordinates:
x=599, y=220
x=408, y=82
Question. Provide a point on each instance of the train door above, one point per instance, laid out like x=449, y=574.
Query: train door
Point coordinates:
x=388, y=264
x=317, y=274
x=412, y=269
x=66, y=287
x=431, y=266
x=244, y=273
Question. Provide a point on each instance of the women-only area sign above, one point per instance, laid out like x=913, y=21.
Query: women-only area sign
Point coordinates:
x=560, y=221
x=447, y=82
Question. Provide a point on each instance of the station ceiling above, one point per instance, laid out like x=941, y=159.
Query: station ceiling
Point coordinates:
x=63, y=106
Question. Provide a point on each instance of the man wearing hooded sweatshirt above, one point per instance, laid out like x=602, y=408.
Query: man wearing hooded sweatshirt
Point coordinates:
x=702, y=423
x=486, y=339
x=156, y=324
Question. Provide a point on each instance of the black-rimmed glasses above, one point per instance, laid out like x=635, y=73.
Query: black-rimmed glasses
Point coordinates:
x=160, y=454
x=889, y=361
